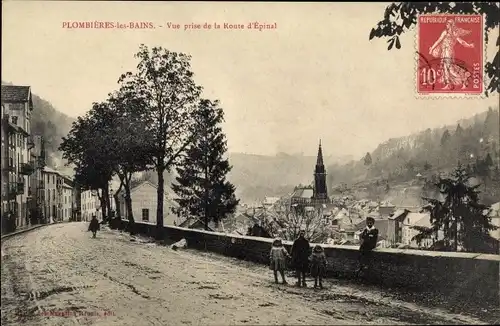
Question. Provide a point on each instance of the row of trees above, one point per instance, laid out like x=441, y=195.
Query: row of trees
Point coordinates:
x=156, y=120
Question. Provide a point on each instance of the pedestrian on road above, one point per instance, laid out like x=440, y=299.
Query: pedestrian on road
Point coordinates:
x=318, y=265
x=12, y=222
x=94, y=226
x=300, y=257
x=368, y=238
x=277, y=258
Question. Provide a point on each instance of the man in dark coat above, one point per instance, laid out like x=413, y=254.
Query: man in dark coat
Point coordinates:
x=368, y=238
x=300, y=257
x=94, y=226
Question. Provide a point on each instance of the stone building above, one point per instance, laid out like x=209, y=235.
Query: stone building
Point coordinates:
x=16, y=146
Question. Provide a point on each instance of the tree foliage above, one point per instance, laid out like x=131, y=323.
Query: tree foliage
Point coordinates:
x=400, y=17
x=367, y=159
x=109, y=139
x=201, y=186
x=86, y=148
x=164, y=81
x=458, y=214
x=83, y=148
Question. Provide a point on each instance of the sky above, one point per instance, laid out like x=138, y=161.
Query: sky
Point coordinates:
x=316, y=76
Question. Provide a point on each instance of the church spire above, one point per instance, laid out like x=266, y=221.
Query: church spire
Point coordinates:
x=320, y=189
x=319, y=159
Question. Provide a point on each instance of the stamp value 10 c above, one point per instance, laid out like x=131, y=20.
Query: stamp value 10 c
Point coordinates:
x=450, y=55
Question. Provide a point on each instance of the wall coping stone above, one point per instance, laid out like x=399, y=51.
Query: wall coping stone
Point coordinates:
x=413, y=252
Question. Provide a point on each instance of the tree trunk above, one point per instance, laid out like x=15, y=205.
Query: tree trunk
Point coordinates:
x=128, y=205
x=103, y=204
x=107, y=201
x=159, y=208
x=205, y=200
x=117, y=200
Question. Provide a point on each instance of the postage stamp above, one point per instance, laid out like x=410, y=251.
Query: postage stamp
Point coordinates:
x=450, y=56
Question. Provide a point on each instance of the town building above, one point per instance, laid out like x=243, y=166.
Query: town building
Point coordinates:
x=144, y=204
x=50, y=179
x=16, y=146
x=89, y=204
x=66, y=197
x=408, y=232
x=395, y=227
x=386, y=209
x=37, y=182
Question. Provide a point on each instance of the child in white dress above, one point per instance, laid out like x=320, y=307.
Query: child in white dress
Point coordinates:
x=277, y=258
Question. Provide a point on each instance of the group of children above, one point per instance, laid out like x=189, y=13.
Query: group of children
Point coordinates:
x=315, y=263
x=301, y=261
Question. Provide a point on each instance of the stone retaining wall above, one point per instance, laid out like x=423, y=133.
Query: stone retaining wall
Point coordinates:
x=462, y=277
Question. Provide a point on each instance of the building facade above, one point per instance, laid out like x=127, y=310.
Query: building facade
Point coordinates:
x=50, y=203
x=408, y=232
x=37, y=183
x=76, y=206
x=17, y=162
x=144, y=204
x=89, y=204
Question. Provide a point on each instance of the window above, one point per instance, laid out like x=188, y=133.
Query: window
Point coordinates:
x=53, y=179
x=145, y=214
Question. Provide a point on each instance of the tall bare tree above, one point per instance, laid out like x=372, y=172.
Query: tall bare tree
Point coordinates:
x=288, y=220
x=164, y=80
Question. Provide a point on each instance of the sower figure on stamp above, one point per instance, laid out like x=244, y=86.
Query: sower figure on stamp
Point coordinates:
x=94, y=226
x=300, y=257
x=443, y=48
x=277, y=258
x=368, y=238
x=318, y=265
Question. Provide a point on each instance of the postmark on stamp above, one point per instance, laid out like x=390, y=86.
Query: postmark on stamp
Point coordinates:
x=450, y=56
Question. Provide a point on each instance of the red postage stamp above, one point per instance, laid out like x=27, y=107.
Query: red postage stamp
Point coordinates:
x=450, y=55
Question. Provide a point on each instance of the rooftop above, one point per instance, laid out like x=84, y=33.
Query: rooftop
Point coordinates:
x=305, y=192
x=11, y=93
x=49, y=170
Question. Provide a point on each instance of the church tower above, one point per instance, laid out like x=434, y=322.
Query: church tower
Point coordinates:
x=320, y=191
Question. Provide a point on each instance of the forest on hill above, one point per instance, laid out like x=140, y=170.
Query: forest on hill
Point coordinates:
x=472, y=142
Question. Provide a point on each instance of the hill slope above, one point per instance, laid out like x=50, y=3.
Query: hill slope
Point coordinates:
x=398, y=160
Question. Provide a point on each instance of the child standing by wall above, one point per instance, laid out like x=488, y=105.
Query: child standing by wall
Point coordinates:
x=277, y=258
x=318, y=265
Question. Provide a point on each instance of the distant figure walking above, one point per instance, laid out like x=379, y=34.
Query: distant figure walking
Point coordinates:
x=300, y=257
x=318, y=265
x=94, y=226
x=368, y=238
x=277, y=258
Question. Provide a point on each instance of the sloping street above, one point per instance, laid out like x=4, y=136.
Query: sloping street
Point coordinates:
x=59, y=275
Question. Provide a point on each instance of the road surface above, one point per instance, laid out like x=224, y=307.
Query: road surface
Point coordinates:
x=59, y=275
